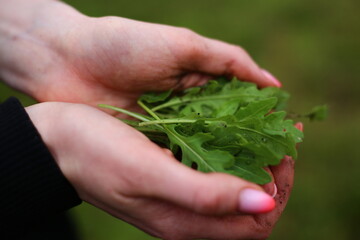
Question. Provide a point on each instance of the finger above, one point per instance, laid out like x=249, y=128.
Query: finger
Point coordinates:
x=168, y=152
x=166, y=220
x=218, y=58
x=270, y=187
x=213, y=193
x=300, y=126
x=284, y=177
x=192, y=80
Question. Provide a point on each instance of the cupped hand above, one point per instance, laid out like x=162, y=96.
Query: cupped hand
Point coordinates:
x=119, y=170
x=111, y=60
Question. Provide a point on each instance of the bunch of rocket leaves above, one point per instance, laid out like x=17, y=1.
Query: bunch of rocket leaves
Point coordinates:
x=224, y=126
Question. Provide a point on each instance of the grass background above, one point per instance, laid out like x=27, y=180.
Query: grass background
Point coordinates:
x=313, y=47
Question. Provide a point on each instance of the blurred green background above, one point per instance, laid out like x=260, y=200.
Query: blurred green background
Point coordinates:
x=313, y=47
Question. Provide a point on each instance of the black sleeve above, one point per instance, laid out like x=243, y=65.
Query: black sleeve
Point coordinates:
x=31, y=184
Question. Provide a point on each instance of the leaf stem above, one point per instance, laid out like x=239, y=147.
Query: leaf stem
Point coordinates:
x=148, y=110
x=177, y=120
x=175, y=135
x=124, y=111
x=167, y=121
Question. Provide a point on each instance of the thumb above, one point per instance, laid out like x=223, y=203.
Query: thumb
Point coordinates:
x=206, y=193
x=215, y=57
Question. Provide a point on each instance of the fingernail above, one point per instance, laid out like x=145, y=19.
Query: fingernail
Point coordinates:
x=300, y=126
x=273, y=79
x=255, y=201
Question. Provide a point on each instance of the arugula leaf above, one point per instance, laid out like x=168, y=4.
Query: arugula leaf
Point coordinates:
x=223, y=126
x=318, y=113
x=194, y=152
x=255, y=109
x=250, y=170
x=205, y=100
x=155, y=97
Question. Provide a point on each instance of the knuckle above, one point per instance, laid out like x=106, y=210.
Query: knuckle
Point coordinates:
x=192, y=44
x=240, y=51
x=239, y=62
x=206, y=201
x=187, y=33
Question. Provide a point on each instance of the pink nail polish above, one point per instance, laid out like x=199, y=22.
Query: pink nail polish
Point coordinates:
x=255, y=201
x=273, y=79
x=299, y=126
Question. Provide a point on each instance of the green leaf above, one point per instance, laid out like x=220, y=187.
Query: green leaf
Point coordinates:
x=281, y=96
x=153, y=97
x=245, y=167
x=255, y=109
x=194, y=152
x=318, y=113
x=223, y=126
x=209, y=98
x=124, y=111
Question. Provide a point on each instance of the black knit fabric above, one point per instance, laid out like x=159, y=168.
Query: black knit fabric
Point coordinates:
x=32, y=187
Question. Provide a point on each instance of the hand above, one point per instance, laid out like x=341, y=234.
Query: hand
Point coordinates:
x=111, y=60
x=120, y=171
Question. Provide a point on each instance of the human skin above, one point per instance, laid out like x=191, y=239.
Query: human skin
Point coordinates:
x=54, y=53
x=149, y=188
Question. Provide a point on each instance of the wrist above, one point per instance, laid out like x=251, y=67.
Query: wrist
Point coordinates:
x=55, y=123
x=25, y=163
x=47, y=121
x=32, y=39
